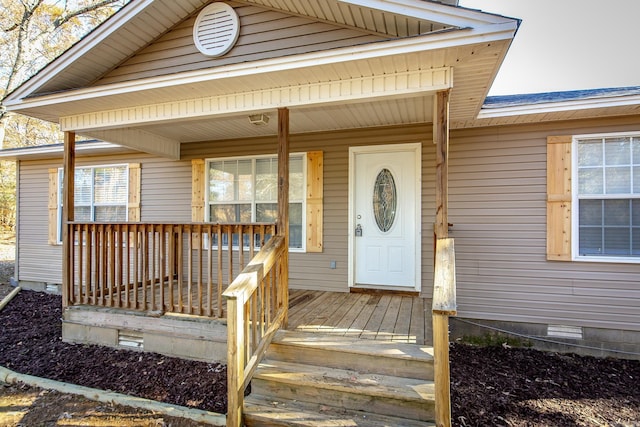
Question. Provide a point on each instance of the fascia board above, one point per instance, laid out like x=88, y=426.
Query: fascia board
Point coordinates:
x=79, y=49
x=57, y=150
x=554, y=107
x=433, y=12
x=487, y=33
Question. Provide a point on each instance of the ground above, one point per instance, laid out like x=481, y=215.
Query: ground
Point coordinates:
x=491, y=386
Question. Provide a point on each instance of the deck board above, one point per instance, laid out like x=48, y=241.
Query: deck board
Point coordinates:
x=364, y=316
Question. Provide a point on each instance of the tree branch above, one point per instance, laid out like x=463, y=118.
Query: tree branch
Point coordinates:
x=90, y=8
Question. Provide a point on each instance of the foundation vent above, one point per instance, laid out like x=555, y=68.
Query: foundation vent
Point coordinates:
x=216, y=29
x=130, y=339
x=51, y=288
x=563, y=331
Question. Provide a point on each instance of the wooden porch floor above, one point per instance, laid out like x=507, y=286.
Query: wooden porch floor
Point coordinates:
x=366, y=316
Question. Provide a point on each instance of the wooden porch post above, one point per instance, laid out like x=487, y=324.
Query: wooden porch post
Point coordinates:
x=283, y=202
x=444, y=303
x=68, y=214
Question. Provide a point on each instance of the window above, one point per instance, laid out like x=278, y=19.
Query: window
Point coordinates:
x=101, y=194
x=244, y=190
x=606, y=188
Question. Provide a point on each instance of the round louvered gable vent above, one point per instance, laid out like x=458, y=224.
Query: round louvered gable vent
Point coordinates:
x=216, y=29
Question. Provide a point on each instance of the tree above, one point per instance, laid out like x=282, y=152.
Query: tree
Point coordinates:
x=33, y=33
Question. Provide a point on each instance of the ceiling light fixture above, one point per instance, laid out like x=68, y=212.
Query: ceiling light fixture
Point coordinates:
x=259, y=119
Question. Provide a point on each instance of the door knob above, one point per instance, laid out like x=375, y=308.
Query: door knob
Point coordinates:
x=358, y=230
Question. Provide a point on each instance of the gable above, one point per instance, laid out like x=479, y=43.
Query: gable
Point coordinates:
x=264, y=34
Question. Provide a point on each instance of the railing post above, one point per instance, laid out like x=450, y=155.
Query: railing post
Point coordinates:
x=235, y=361
x=68, y=216
x=444, y=268
x=283, y=202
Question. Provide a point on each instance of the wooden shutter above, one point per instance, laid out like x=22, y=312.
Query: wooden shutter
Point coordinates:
x=197, y=190
x=53, y=207
x=559, y=198
x=315, y=177
x=133, y=204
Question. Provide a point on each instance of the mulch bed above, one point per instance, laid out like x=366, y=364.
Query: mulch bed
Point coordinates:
x=491, y=386
x=31, y=344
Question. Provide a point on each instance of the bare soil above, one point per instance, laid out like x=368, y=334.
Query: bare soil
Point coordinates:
x=490, y=386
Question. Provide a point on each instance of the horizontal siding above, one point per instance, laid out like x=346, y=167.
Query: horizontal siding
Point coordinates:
x=263, y=34
x=32, y=239
x=497, y=184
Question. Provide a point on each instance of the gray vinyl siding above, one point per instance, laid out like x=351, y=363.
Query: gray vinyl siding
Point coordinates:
x=39, y=261
x=497, y=185
x=264, y=34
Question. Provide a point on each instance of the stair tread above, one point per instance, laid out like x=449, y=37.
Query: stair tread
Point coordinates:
x=346, y=380
x=378, y=348
x=261, y=410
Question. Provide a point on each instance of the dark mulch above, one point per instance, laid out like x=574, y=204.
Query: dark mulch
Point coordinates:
x=498, y=386
x=31, y=344
x=491, y=386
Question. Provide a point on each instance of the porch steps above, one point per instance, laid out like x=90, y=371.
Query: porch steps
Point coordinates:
x=322, y=380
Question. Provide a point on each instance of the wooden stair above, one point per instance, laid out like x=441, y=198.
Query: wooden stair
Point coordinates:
x=323, y=380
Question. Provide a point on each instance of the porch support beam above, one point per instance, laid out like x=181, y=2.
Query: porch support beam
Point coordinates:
x=368, y=88
x=68, y=204
x=444, y=264
x=140, y=140
x=283, y=201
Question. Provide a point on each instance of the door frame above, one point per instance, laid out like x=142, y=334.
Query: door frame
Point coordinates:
x=416, y=148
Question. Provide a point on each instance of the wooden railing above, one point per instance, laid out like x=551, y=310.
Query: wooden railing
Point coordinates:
x=160, y=268
x=257, y=303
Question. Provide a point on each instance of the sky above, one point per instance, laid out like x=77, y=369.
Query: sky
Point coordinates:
x=568, y=44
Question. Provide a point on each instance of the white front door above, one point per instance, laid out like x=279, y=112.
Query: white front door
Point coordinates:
x=385, y=216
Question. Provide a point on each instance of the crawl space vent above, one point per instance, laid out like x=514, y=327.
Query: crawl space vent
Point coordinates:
x=130, y=339
x=216, y=29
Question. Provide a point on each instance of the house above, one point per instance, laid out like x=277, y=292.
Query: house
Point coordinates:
x=380, y=108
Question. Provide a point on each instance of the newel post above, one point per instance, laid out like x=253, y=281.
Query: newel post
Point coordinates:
x=68, y=215
x=283, y=203
x=444, y=282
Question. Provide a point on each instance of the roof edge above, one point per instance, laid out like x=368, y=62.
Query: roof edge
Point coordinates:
x=548, y=102
x=52, y=151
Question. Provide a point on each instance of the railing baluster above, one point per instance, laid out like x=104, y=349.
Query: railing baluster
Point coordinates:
x=220, y=284
x=199, y=243
x=190, y=271
x=172, y=265
x=180, y=269
x=127, y=276
x=135, y=269
x=144, y=253
x=209, y=272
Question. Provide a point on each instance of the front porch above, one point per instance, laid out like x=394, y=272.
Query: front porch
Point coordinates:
x=382, y=317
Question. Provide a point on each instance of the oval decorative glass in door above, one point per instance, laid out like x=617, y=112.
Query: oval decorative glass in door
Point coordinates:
x=385, y=200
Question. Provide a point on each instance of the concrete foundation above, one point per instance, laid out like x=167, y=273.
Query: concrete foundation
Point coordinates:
x=586, y=340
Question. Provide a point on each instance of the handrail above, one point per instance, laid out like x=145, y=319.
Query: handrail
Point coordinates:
x=256, y=307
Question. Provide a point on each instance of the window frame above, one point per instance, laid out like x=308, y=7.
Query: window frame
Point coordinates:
x=253, y=202
x=93, y=204
x=575, y=200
